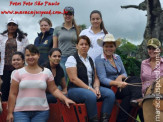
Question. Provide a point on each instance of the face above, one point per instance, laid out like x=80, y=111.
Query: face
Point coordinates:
x=44, y=26
x=109, y=48
x=96, y=20
x=12, y=27
x=82, y=46
x=31, y=58
x=17, y=61
x=68, y=17
x=152, y=52
x=55, y=58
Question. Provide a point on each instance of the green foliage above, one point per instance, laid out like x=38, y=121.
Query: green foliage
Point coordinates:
x=127, y=52
x=82, y=27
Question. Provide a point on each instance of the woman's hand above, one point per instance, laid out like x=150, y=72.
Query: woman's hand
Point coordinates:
x=10, y=118
x=121, y=84
x=98, y=94
x=68, y=102
x=64, y=91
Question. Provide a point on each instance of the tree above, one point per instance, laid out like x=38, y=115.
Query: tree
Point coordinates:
x=82, y=27
x=154, y=26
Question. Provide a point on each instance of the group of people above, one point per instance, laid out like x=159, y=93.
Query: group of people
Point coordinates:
x=73, y=66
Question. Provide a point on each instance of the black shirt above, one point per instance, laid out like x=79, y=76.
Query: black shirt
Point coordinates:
x=59, y=73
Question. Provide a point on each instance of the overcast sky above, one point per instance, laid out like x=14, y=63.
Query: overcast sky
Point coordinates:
x=123, y=23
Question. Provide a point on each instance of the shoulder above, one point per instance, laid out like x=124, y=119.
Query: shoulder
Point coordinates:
x=3, y=36
x=98, y=58
x=58, y=28
x=25, y=39
x=47, y=71
x=84, y=32
x=71, y=59
x=145, y=61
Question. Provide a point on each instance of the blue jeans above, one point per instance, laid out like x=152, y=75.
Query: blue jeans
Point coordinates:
x=31, y=116
x=82, y=95
x=62, y=63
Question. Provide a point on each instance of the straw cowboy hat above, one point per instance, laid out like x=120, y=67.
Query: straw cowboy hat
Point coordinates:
x=109, y=38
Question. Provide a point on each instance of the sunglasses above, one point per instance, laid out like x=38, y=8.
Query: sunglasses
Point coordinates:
x=151, y=48
x=69, y=13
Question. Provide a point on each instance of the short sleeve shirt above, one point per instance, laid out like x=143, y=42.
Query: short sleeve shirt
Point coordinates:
x=95, y=50
x=66, y=40
x=31, y=95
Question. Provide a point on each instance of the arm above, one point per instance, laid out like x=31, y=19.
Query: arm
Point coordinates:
x=55, y=41
x=12, y=99
x=96, y=85
x=63, y=85
x=102, y=74
x=58, y=94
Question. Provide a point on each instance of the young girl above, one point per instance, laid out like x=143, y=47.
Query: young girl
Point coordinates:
x=27, y=99
x=95, y=31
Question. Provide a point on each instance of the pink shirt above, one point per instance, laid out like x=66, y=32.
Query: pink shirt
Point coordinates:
x=148, y=75
x=31, y=95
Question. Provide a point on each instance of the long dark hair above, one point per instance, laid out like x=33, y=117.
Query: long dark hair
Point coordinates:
x=102, y=23
x=76, y=28
x=53, y=50
x=21, y=35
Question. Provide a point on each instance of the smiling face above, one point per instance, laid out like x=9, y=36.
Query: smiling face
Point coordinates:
x=44, y=26
x=55, y=58
x=68, y=17
x=109, y=48
x=95, y=20
x=82, y=47
x=31, y=58
x=12, y=27
x=17, y=61
x=152, y=52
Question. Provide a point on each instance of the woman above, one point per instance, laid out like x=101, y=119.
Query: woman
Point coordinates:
x=111, y=72
x=151, y=69
x=44, y=41
x=11, y=40
x=27, y=99
x=84, y=85
x=57, y=71
x=149, y=66
x=95, y=31
x=17, y=61
x=65, y=36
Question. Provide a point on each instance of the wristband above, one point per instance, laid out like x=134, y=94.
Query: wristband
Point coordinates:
x=89, y=88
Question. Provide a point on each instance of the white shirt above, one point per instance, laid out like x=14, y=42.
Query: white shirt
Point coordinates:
x=20, y=47
x=95, y=50
x=71, y=62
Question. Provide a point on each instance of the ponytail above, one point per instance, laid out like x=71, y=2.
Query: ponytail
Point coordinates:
x=76, y=28
x=103, y=28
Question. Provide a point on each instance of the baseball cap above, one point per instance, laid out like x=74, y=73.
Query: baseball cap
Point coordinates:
x=154, y=43
x=69, y=9
x=12, y=20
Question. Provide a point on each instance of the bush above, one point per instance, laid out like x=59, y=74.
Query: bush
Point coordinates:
x=127, y=51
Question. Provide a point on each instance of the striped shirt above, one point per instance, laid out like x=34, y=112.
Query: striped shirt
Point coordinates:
x=31, y=95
